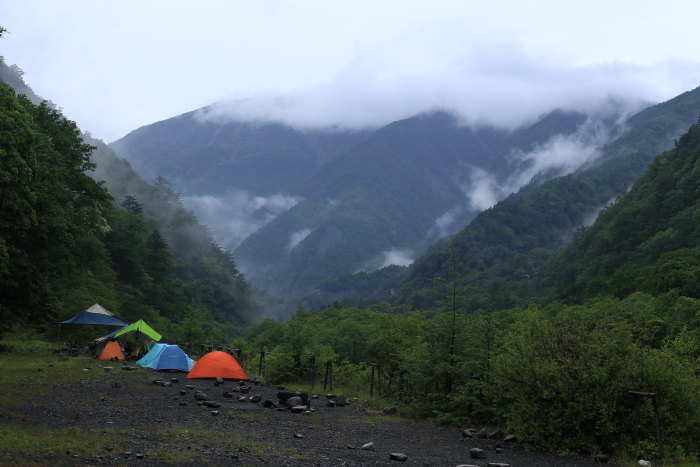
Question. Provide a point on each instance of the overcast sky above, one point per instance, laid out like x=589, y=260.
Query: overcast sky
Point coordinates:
x=113, y=66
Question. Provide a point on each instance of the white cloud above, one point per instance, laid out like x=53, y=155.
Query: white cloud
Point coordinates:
x=499, y=84
x=114, y=66
x=237, y=214
x=297, y=237
x=397, y=256
x=561, y=155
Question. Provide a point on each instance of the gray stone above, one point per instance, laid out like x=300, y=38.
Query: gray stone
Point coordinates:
x=601, y=458
x=341, y=401
x=398, y=456
x=468, y=433
x=189, y=386
x=139, y=455
x=481, y=433
x=476, y=453
x=256, y=398
x=497, y=464
x=107, y=368
x=242, y=399
x=200, y=396
x=389, y=410
x=330, y=396
x=228, y=395
x=510, y=438
x=183, y=392
x=368, y=446
x=220, y=380
x=269, y=404
x=212, y=404
x=330, y=403
x=298, y=409
x=498, y=434
x=174, y=380
x=244, y=389
x=215, y=413
x=298, y=435
x=292, y=401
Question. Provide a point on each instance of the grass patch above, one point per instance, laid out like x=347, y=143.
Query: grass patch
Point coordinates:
x=22, y=438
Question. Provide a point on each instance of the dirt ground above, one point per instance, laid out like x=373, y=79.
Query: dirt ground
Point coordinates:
x=128, y=420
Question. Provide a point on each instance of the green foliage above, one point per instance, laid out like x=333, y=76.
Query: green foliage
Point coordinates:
x=65, y=245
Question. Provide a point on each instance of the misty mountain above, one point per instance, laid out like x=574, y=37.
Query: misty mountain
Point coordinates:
x=205, y=156
x=502, y=249
x=353, y=201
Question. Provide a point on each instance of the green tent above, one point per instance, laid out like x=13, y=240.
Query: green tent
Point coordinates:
x=142, y=327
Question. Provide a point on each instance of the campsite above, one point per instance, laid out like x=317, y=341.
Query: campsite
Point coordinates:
x=57, y=410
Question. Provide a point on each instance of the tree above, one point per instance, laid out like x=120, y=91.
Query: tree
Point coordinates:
x=131, y=205
x=449, y=323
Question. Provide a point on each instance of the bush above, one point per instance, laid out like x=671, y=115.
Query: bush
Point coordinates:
x=568, y=386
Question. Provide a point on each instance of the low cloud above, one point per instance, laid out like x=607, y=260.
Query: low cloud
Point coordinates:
x=445, y=223
x=561, y=155
x=499, y=84
x=398, y=257
x=297, y=237
x=237, y=214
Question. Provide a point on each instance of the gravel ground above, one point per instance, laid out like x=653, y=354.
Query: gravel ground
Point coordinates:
x=141, y=423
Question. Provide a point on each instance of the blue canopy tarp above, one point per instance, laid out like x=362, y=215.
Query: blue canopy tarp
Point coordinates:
x=95, y=315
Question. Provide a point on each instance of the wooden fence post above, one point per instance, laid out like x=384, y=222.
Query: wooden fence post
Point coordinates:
x=312, y=370
x=262, y=363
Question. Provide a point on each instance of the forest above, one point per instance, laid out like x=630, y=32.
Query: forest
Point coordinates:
x=66, y=242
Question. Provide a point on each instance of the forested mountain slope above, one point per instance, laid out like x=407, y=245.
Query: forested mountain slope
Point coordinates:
x=67, y=242
x=649, y=240
x=504, y=247
x=210, y=155
x=361, y=199
x=397, y=192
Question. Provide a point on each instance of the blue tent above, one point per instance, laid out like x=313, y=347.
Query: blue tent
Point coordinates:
x=149, y=360
x=174, y=358
x=95, y=315
x=166, y=357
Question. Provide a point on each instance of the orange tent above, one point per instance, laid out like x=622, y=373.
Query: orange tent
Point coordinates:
x=111, y=351
x=217, y=364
